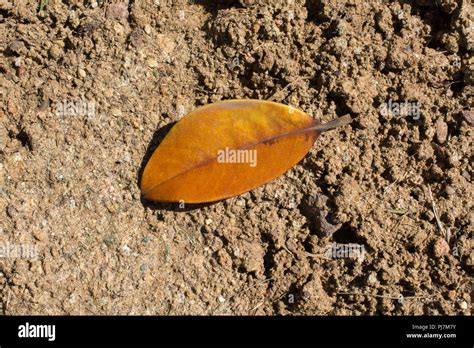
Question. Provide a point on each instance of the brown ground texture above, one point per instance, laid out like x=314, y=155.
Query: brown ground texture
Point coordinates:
x=397, y=184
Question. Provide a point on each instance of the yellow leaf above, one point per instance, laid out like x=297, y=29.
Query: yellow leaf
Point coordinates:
x=228, y=148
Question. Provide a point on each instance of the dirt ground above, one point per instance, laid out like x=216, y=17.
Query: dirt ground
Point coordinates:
x=398, y=185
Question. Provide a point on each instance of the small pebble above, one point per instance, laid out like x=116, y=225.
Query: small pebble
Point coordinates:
x=116, y=112
x=441, y=131
x=55, y=51
x=450, y=191
x=468, y=116
x=17, y=157
x=463, y=305
x=117, y=10
x=152, y=63
x=440, y=247
x=40, y=235
x=429, y=215
x=72, y=299
x=181, y=111
x=126, y=157
x=17, y=62
x=11, y=211
x=371, y=279
x=16, y=46
x=126, y=249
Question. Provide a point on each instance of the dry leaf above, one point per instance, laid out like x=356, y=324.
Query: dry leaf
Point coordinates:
x=228, y=148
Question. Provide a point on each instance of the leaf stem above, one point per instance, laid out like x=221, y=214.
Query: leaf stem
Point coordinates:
x=340, y=121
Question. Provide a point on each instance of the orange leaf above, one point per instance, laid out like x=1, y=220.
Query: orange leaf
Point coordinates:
x=228, y=148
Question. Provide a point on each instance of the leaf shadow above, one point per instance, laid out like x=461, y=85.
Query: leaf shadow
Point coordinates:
x=156, y=140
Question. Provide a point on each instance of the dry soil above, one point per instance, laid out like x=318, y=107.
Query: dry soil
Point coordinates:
x=398, y=184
